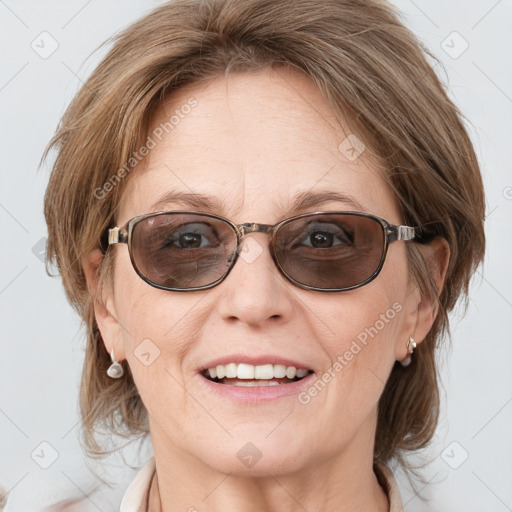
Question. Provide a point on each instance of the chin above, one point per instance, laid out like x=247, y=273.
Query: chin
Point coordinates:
x=253, y=454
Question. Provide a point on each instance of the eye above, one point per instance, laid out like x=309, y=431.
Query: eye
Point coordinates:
x=327, y=235
x=190, y=236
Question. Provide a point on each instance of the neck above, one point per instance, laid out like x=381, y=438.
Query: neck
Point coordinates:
x=340, y=483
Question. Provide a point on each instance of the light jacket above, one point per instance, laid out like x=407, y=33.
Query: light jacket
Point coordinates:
x=142, y=494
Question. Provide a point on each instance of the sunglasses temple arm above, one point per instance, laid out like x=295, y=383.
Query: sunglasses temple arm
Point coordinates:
x=401, y=233
x=117, y=236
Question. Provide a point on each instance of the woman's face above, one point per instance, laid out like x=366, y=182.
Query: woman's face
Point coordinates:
x=254, y=142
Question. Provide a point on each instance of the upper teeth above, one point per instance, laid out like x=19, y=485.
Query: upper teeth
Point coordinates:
x=248, y=371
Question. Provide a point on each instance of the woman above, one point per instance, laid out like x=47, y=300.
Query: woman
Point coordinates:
x=264, y=212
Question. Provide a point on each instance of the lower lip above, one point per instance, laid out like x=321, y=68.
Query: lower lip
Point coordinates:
x=256, y=394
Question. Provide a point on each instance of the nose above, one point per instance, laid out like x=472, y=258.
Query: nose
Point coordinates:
x=255, y=290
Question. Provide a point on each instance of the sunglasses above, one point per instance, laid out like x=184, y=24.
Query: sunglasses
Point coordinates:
x=322, y=251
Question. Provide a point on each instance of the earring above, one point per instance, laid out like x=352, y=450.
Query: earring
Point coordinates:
x=411, y=345
x=115, y=370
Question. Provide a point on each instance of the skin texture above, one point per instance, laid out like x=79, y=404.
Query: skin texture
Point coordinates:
x=254, y=141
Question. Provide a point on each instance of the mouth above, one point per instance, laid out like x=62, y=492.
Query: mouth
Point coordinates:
x=248, y=375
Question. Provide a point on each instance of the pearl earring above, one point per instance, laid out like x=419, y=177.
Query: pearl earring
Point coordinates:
x=115, y=370
x=411, y=345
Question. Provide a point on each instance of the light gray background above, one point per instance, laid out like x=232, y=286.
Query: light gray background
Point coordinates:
x=42, y=343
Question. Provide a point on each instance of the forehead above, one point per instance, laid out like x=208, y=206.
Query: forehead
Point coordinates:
x=263, y=144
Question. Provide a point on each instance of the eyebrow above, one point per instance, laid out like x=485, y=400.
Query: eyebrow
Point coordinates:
x=301, y=201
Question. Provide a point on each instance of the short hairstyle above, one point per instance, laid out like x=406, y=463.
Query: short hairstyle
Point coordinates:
x=376, y=77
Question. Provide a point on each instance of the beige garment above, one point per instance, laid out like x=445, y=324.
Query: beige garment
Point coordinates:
x=142, y=494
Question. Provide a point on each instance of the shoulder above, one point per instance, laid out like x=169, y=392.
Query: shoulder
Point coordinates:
x=136, y=495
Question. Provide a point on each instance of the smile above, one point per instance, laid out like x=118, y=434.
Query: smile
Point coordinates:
x=248, y=375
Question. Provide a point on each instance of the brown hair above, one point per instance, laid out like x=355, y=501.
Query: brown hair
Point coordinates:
x=375, y=75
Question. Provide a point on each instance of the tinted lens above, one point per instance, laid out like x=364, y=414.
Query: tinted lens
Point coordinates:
x=330, y=250
x=182, y=250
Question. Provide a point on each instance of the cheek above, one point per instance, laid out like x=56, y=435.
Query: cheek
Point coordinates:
x=359, y=331
x=150, y=326
x=156, y=345
x=364, y=315
x=363, y=332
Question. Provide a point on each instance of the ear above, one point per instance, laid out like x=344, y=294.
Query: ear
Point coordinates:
x=104, y=307
x=421, y=310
